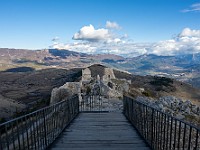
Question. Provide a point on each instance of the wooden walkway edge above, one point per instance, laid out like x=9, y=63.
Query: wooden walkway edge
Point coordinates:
x=100, y=131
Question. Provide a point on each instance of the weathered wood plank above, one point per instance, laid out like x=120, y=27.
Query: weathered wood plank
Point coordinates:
x=95, y=131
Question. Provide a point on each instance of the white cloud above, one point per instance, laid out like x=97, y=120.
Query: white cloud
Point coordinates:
x=89, y=33
x=191, y=33
x=112, y=25
x=193, y=8
x=78, y=47
x=187, y=42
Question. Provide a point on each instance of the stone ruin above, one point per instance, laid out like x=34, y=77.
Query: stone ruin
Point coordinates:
x=108, y=75
x=86, y=75
x=110, y=86
x=66, y=91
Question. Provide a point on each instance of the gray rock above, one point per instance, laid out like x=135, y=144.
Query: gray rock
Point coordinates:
x=195, y=109
x=180, y=116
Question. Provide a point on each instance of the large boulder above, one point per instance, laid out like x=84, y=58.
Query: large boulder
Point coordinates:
x=65, y=92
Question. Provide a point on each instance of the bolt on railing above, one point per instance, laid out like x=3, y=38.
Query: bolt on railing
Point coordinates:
x=40, y=128
x=160, y=130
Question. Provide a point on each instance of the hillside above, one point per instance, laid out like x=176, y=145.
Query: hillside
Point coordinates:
x=184, y=68
x=32, y=89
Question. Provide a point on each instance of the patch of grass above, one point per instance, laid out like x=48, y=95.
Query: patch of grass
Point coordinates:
x=116, y=81
x=147, y=94
x=161, y=81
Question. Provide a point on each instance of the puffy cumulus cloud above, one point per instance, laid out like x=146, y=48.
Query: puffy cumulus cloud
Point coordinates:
x=187, y=42
x=112, y=25
x=193, y=8
x=187, y=32
x=89, y=33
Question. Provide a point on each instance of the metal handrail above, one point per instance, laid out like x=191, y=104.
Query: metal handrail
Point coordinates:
x=37, y=130
x=160, y=130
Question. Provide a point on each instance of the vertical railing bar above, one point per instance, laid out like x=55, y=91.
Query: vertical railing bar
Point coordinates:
x=31, y=132
x=1, y=134
x=156, y=130
x=179, y=134
x=33, y=125
x=197, y=136
x=143, y=119
x=190, y=134
x=164, y=131
x=27, y=134
x=54, y=121
x=184, y=134
x=152, y=127
x=174, y=145
x=147, y=124
x=18, y=134
x=22, y=128
x=37, y=129
x=168, y=118
x=13, y=137
x=161, y=129
x=45, y=132
x=7, y=139
x=171, y=128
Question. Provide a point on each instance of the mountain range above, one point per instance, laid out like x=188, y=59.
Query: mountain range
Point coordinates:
x=185, y=67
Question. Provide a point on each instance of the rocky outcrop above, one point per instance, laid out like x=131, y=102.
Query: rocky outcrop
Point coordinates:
x=64, y=92
x=9, y=107
x=181, y=109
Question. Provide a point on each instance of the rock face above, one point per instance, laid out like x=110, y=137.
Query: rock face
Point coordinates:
x=181, y=109
x=64, y=92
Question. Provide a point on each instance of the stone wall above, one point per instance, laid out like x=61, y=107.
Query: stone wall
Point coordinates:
x=86, y=75
x=108, y=75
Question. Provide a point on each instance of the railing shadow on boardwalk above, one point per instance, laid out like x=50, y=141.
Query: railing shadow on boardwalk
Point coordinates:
x=38, y=129
x=160, y=130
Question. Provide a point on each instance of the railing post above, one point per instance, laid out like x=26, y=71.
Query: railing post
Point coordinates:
x=45, y=131
x=152, y=127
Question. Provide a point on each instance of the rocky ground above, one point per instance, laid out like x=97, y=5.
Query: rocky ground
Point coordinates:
x=179, y=108
x=9, y=107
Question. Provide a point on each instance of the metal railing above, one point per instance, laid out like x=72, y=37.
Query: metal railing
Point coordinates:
x=38, y=129
x=91, y=103
x=160, y=130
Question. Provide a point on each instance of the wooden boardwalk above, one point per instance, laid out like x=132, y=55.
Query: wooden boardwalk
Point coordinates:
x=99, y=131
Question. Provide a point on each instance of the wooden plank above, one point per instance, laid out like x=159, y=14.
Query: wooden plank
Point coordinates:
x=95, y=131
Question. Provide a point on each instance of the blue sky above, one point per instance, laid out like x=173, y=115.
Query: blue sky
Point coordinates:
x=33, y=24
